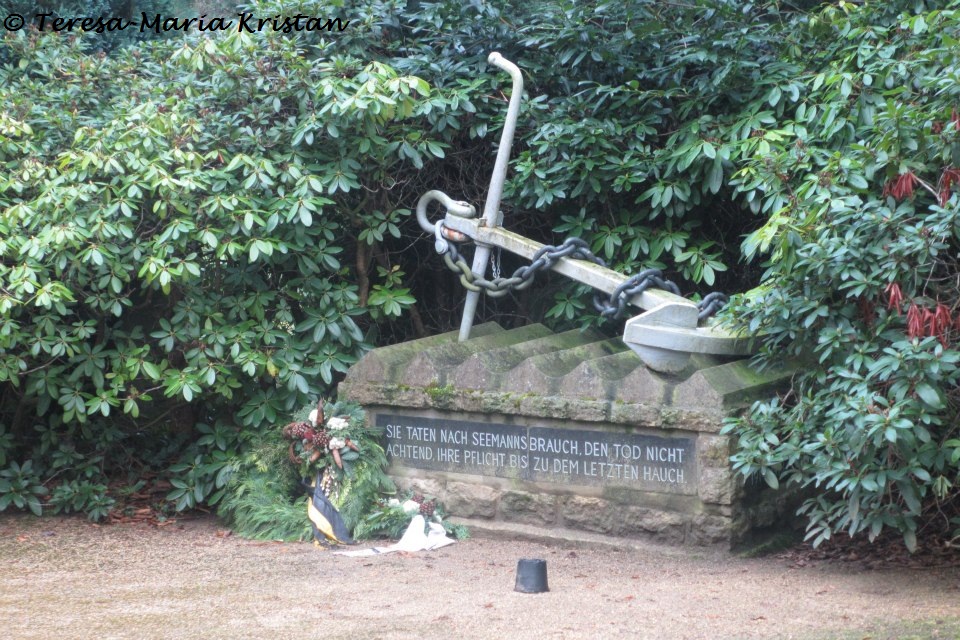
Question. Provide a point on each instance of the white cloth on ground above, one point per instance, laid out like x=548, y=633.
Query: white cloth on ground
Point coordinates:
x=414, y=539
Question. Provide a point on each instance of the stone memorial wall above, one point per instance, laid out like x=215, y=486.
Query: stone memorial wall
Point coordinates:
x=565, y=431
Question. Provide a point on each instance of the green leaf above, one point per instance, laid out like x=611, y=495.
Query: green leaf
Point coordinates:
x=715, y=175
x=770, y=478
x=774, y=97
x=929, y=395
x=151, y=370
x=857, y=181
x=910, y=540
x=306, y=218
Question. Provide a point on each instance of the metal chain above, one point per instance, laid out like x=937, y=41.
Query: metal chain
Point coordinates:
x=633, y=285
x=547, y=256
x=711, y=303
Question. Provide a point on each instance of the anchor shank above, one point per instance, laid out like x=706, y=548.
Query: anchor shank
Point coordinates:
x=491, y=207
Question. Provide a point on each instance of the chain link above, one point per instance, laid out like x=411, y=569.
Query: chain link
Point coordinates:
x=546, y=257
x=634, y=285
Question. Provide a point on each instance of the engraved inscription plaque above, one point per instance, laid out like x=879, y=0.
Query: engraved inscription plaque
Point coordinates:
x=573, y=456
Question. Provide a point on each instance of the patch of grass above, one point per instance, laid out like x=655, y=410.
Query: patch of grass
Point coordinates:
x=769, y=544
x=942, y=628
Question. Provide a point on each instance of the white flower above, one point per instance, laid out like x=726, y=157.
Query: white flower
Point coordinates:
x=393, y=502
x=336, y=424
x=313, y=417
x=411, y=507
x=337, y=443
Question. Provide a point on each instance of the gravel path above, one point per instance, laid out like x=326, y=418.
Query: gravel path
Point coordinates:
x=65, y=578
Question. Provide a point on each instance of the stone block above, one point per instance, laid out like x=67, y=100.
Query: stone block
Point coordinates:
x=388, y=363
x=620, y=377
x=543, y=374
x=471, y=500
x=707, y=529
x=561, y=408
x=717, y=485
x=636, y=415
x=703, y=420
x=486, y=369
x=432, y=365
x=587, y=513
x=602, y=516
x=662, y=526
x=370, y=394
x=528, y=508
x=728, y=386
x=714, y=451
x=427, y=486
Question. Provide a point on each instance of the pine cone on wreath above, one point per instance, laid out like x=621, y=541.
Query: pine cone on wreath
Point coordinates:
x=296, y=430
x=321, y=439
x=302, y=430
x=428, y=508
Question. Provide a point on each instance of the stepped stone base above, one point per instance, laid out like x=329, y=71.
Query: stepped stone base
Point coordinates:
x=566, y=431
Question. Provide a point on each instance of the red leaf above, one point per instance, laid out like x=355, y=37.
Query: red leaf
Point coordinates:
x=950, y=176
x=894, y=297
x=888, y=188
x=914, y=321
x=929, y=321
x=941, y=323
x=903, y=185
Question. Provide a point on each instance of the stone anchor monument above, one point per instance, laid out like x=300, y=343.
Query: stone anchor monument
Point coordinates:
x=567, y=430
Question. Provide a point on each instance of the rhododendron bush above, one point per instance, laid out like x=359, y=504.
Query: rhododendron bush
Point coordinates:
x=199, y=235
x=863, y=278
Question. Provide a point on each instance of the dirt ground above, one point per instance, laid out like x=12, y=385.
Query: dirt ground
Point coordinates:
x=66, y=578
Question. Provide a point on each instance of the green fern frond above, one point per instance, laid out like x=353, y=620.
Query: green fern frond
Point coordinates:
x=258, y=507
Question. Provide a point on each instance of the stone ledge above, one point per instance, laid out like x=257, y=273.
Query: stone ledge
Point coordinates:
x=448, y=398
x=531, y=372
x=565, y=537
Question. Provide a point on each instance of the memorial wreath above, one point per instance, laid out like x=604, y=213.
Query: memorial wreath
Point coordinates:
x=331, y=454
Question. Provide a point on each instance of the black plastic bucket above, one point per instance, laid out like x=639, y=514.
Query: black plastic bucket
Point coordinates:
x=531, y=576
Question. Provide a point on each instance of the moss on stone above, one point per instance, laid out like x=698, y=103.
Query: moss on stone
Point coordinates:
x=440, y=395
